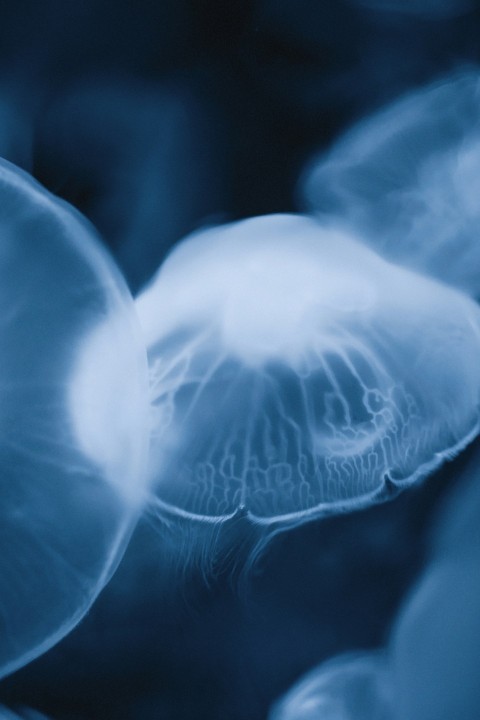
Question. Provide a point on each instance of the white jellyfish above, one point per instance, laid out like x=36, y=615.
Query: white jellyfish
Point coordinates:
x=408, y=180
x=349, y=687
x=295, y=373
x=73, y=418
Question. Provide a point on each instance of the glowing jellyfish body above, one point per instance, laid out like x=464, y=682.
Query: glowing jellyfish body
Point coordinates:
x=349, y=687
x=294, y=372
x=73, y=399
x=407, y=179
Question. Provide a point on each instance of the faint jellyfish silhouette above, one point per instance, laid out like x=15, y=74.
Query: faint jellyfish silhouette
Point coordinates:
x=73, y=418
x=21, y=714
x=408, y=180
x=349, y=687
x=429, y=669
x=441, y=9
x=435, y=645
x=430, y=666
x=295, y=373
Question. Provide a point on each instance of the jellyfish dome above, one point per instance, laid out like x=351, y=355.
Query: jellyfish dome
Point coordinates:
x=73, y=414
x=435, y=644
x=349, y=687
x=407, y=179
x=294, y=373
x=23, y=714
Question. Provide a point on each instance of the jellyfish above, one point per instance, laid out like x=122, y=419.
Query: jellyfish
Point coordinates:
x=435, y=645
x=435, y=9
x=349, y=687
x=295, y=373
x=73, y=418
x=407, y=179
x=23, y=714
x=428, y=669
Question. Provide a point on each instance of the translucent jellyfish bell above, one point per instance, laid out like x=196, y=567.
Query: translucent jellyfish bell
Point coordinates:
x=435, y=645
x=23, y=714
x=294, y=372
x=429, y=668
x=408, y=179
x=73, y=418
x=349, y=687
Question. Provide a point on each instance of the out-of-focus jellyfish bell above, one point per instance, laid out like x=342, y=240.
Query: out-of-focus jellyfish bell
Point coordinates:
x=23, y=714
x=429, y=670
x=408, y=180
x=73, y=418
x=295, y=373
x=435, y=646
x=349, y=687
x=423, y=8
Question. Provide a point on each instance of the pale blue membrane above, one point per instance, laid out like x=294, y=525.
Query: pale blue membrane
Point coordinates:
x=429, y=668
x=349, y=687
x=435, y=646
x=73, y=418
x=295, y=373
x=20, y=714
x=407, y=179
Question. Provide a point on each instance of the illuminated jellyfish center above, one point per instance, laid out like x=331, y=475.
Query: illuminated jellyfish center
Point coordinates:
x=294, y=372
x=273, y=320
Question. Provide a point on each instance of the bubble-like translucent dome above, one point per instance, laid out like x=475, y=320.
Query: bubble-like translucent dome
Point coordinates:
x=406, y=178
x=294, y=372
x=73, y=412
x=349, y=687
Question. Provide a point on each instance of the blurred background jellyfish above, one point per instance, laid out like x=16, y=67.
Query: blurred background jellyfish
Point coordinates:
x=23, y=714
x=73, y=399
x=295, y=373
x=407, y=179
x=422, y=8
x=429, y=668
x=435, y=646
x=349, y=687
